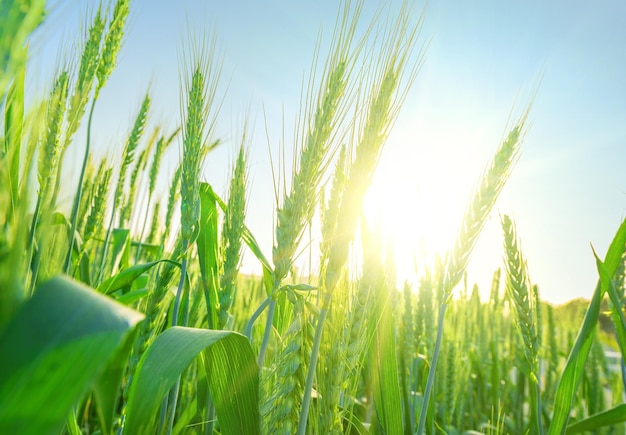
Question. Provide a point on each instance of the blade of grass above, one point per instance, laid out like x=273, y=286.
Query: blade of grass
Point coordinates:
x=573, y=371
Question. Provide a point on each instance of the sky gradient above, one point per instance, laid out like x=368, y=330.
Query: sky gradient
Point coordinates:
x=484, y=60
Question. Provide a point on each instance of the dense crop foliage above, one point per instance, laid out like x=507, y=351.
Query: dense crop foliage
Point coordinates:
x=118, y=315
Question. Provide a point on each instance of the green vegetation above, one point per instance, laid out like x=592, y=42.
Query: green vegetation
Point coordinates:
x=106, y=330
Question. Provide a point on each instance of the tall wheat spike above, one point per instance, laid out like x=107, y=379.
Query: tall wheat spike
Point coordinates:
x=483, y=200
x=201, y=78
x=234, y=222
x=387, y=92
x=318, y=126
x=112, y=43
x=524, y=304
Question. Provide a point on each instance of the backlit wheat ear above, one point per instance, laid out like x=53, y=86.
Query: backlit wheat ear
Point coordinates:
x=299, y=205
x=161, y=145
x=282, y=408
x=330, y=215
x=482, y=202
x=98, y=201
x=319, y=122
x=128, y=155
x=112, y=43
x=201, y=77
x=393, y=72
x=51, y=151
x=518, y=289
x=234, y=221
x=86, y=74
x=193, y=135
x=523, y=301
x=387, y=93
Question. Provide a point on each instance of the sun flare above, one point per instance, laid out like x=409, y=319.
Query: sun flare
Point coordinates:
x=417, y=213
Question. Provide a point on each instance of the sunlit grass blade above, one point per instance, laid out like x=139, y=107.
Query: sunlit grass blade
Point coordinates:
x=384, y=368
x=610, y=417
x=571, y=376
x=616, y=307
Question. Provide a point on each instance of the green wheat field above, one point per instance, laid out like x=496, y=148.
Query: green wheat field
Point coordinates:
x=123, y=311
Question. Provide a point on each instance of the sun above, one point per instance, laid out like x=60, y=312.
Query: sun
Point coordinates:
x=418, y=212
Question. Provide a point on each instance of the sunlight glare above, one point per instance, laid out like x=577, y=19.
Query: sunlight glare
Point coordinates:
x=419, y=211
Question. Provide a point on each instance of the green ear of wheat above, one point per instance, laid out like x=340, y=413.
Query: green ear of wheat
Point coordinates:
x=524, y=305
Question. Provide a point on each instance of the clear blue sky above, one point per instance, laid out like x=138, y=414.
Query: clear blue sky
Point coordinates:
x=568, y=190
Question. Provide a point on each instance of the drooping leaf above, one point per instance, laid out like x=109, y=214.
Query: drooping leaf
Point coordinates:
x=247, y=236
x=132, y=296
x=126, y=277
x=609, y=417
x=53, y=350
x=232, y=375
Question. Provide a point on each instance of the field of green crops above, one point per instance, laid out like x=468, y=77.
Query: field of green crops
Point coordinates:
x=104, y=329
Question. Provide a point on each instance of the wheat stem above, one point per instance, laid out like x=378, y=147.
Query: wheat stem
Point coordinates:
x=79, y=192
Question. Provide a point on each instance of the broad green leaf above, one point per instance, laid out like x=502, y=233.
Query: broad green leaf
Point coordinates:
x=605, y=418
x=574, y=368
x=126, y=277
x=232, y=374
x=208, y=250
x=53, y=350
